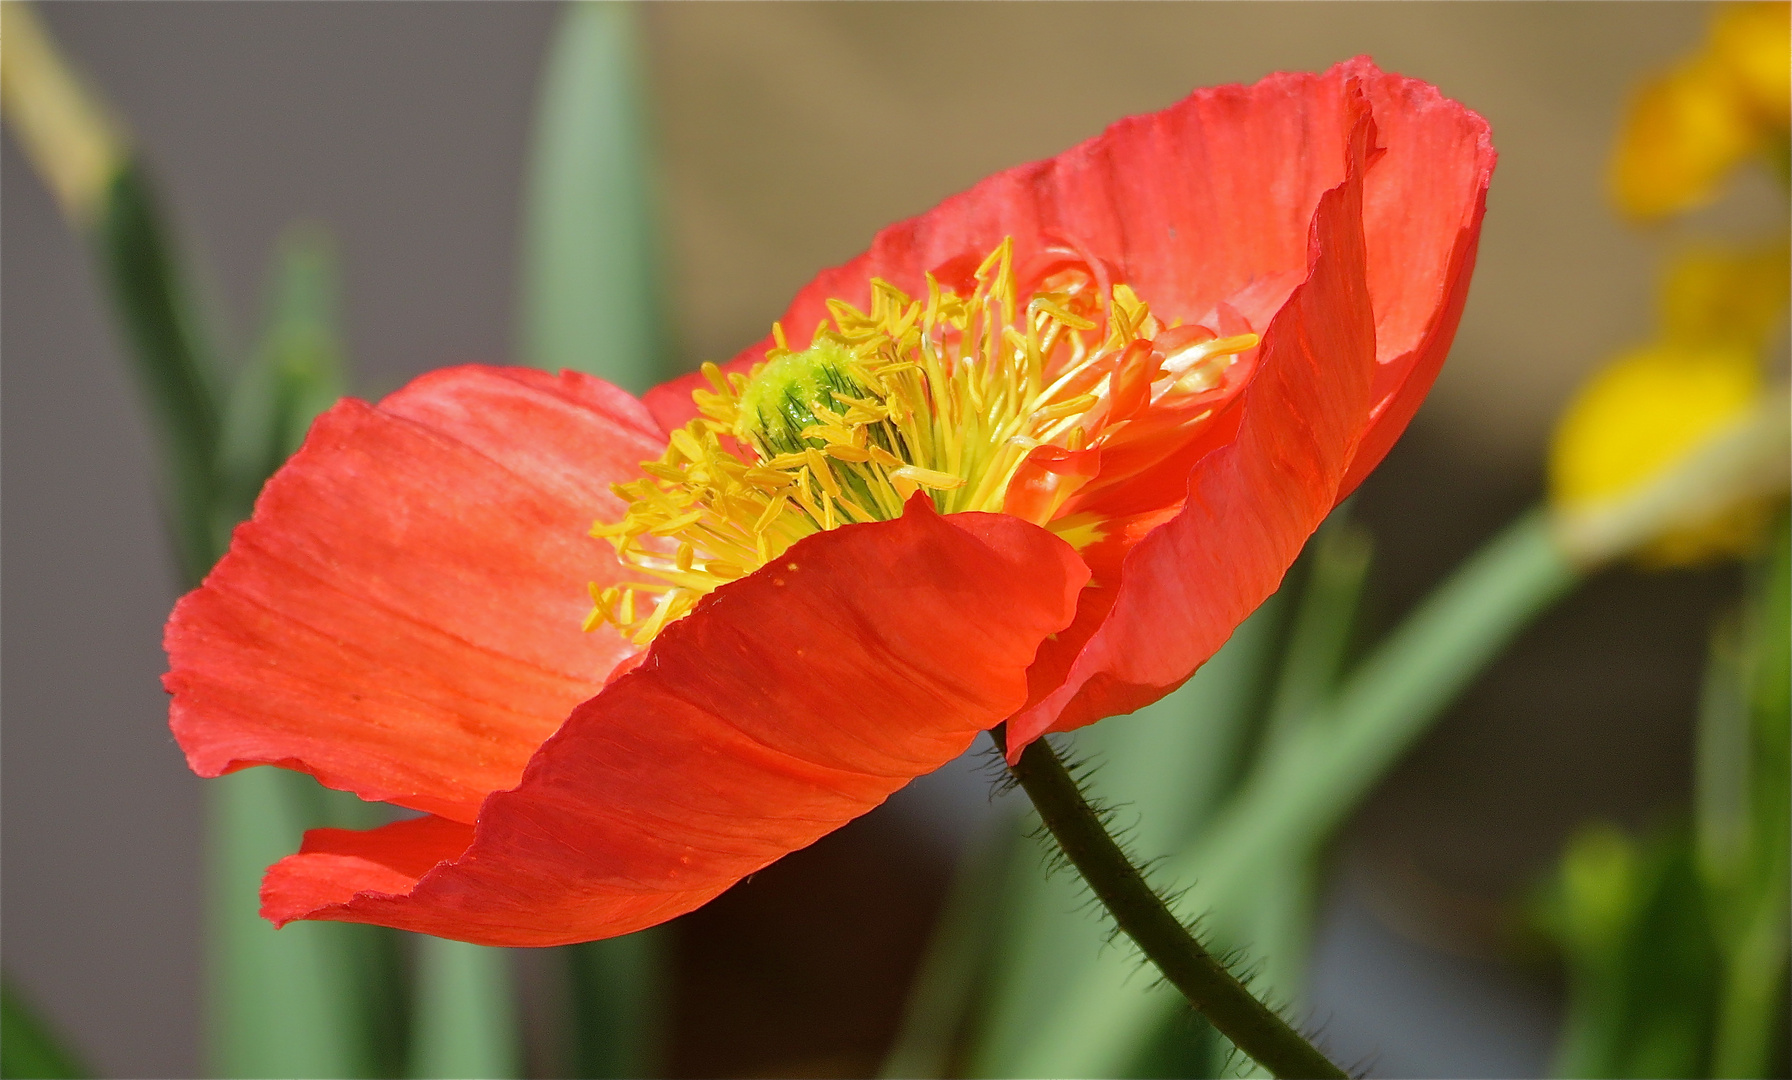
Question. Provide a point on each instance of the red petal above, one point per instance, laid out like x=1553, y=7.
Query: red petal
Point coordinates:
x=1422, y=209
x=1251, y=503
x=786, y=704
x=401, y=616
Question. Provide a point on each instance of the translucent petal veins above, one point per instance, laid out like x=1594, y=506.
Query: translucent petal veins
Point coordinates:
x=991, y=401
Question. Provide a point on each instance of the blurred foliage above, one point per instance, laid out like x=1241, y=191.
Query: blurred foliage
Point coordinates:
x=29, y=1049
x=1676, y=944
x=590, y=298
x=465, y=1024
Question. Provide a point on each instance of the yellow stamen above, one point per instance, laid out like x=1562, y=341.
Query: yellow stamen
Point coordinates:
x=945, y=395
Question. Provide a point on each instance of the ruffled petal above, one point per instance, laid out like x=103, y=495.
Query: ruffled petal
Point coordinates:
x=785, y=705
x=401, y=617
x=1422, y=208
x=1252, y=502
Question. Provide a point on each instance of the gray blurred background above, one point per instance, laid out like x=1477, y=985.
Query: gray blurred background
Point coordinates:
x=786, y=135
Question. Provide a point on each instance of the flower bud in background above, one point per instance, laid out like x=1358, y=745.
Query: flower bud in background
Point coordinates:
x=1686, y=130
x=1676, y=449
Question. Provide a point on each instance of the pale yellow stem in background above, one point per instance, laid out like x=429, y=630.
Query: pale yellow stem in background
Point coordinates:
x=1748, y=460
x=61, y=124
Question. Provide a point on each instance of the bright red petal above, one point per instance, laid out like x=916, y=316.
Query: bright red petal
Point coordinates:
x=1422, y=209
x=401, y=616
x=1251, y=503
x=785, y=705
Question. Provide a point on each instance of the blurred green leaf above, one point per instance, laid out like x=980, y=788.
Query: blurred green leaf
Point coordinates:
x=618, y=1003
x=1642, y=964
x=294, y=1002
x=590, y=300
x=29, y=1050
x=1723, y=781
x=295, y=372
x=1745, y=819
x=1163, y=768
x=1335, y=569
x=464, y=1022
x=175, y=366
x=1676, y=947
x=315, y=1001
x=943, y=997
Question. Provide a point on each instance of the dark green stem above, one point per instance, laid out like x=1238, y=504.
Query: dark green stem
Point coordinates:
x=1252, y=1026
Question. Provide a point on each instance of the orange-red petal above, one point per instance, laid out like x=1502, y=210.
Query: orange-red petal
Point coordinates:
x=401, y=615
x=785, y=705
x=1422, y=209
x=1253, y=501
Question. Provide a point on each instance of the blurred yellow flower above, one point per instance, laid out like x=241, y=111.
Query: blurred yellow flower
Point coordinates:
x=1654, y=407
x=1687, y=129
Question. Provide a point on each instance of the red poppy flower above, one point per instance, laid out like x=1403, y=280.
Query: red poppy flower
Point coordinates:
x=1048, y=444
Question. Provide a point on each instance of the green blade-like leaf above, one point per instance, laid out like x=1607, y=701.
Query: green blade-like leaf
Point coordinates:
x=1749, y=902
x=280, y=1005
x=314, y=998
x=1336, y=567
x=464, y=1021
x=291, y=1002
x=295, y=372
x=1643, y=968
x=590, y=300
x=29, y=1050
x=175, y=367
x=618, y=1000
x=942, y=998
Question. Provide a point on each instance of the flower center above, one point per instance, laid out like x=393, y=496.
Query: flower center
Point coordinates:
x=970, y=399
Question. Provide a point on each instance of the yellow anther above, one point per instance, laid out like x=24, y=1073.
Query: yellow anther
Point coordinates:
x=714, y=375
x=818, y=468
x=1079, y=404
x=686, y=443
x=677, y=524
x=928, y=478
x=769, y=515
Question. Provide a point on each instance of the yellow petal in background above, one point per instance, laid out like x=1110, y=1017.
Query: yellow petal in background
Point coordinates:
x=1640, y=418
x=1753, y=44
x=1717, y=294
x=1683, y=134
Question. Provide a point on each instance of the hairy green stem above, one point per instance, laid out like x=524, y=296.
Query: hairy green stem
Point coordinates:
x=1253, y=1027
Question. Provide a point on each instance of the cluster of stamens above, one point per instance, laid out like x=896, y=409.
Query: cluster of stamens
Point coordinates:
x=946, y=395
